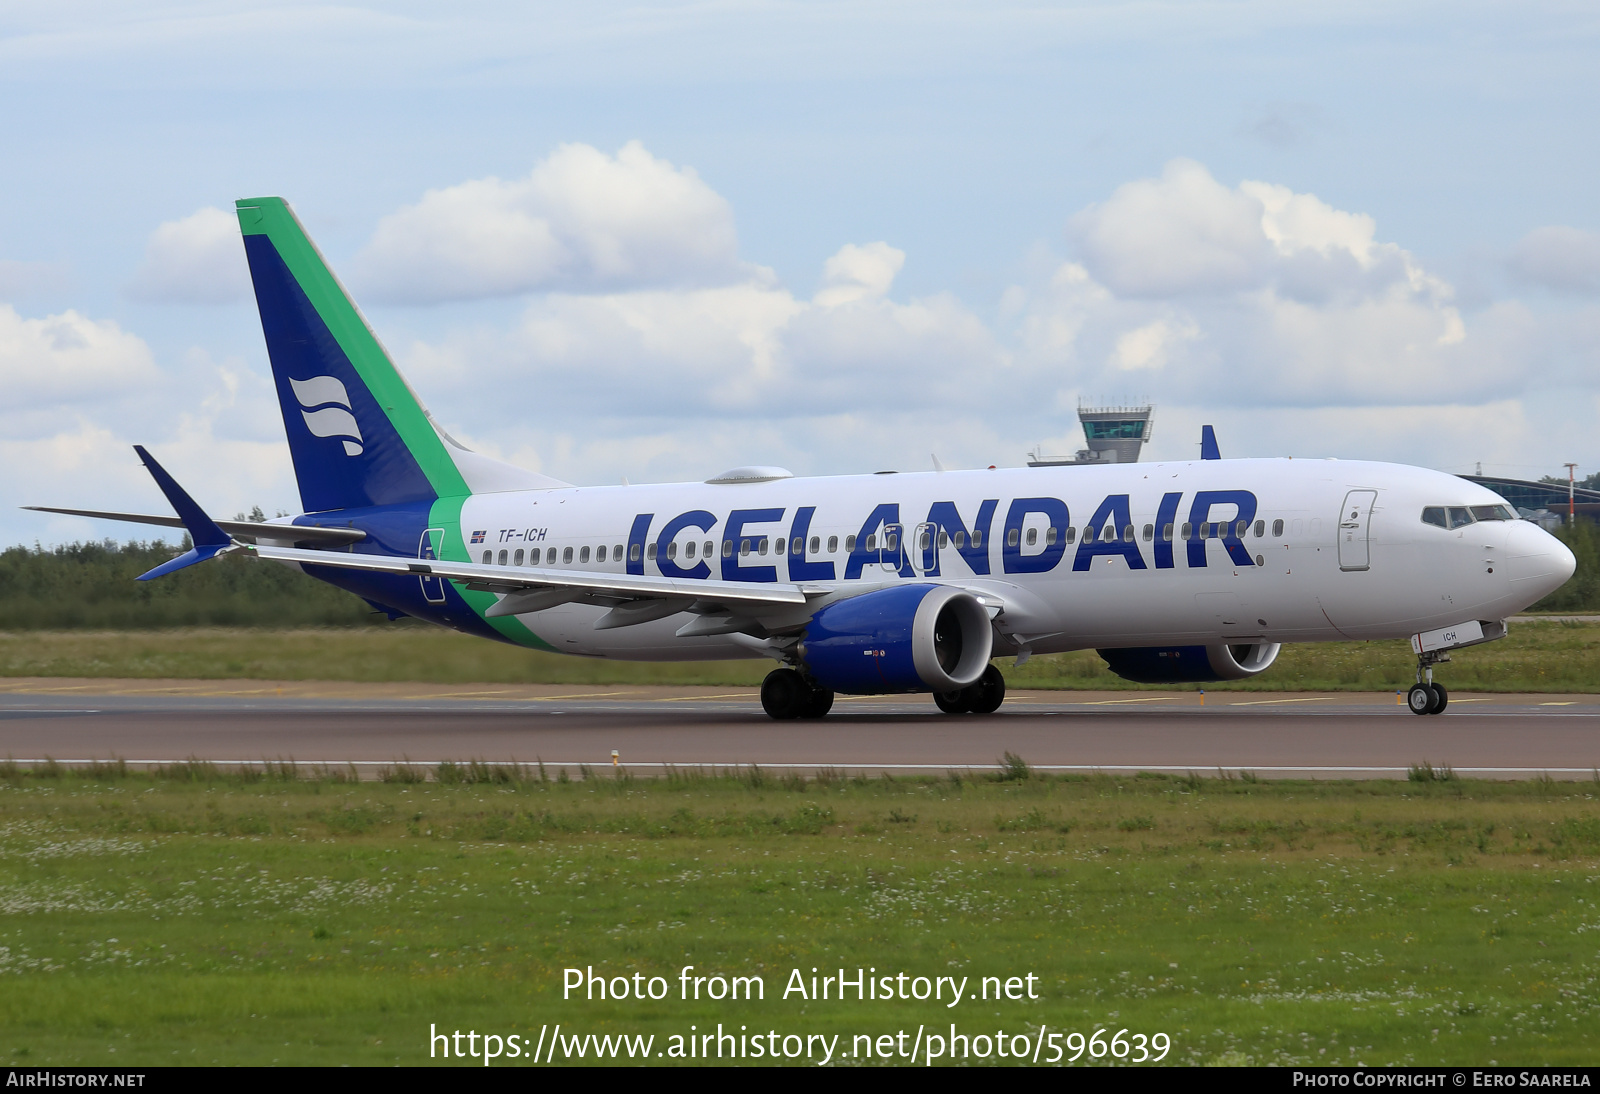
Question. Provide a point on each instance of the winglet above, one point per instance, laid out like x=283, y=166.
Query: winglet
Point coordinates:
x=1208, y=444
x=208, y=539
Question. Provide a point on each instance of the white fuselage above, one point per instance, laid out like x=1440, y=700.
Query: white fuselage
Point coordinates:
x=1305, y=569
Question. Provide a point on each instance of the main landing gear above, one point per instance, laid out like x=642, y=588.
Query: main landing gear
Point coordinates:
x=785, y=694
x=1426, y=697
x=984, y=697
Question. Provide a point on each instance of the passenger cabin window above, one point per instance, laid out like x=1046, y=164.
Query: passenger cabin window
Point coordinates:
x=1460, y=516
x=727, y=548
x=1109, y=533
x=1240, y=529
x=566, y=556
x=890, y=542
x=1149, y=532
x=516, y=559
x=583, y=555
x=633, y=554
x=1011, y=538
x=688, y=549
x=709, y=548
x=780, y=545
x=1261, y=528
x=850, y=544
x=944, y=539
x=1205, y=530
x=672, y=549
x=833, y=544
x=924, y=541
x=600, y=555
x=961, y=540
x=1090, y=533
x=1277, y=529
x=1166, y=533
x=761, y=545
x=488, y=557
x=1188, y=531
x=816, y=545
x=1072, y=533
x=649, y=551
x=1033, y=536
x=550, y=556
x=744, y=547
x=1050, y=536
x=616, y=552
x=1127, y=533
x=798, y=547
x=502, y=558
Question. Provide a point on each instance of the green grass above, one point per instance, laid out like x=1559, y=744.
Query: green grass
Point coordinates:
x=1535, y=657
x=197, y=917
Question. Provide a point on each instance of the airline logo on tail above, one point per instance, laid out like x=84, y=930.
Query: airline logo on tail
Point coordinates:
x=325, y=405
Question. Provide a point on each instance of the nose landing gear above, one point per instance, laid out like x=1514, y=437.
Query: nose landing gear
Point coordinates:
x=1426, y=697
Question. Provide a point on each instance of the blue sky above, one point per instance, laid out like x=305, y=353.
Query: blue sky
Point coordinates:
x=657, y=240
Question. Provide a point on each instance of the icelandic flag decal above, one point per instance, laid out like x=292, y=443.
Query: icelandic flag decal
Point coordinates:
x=477, y=537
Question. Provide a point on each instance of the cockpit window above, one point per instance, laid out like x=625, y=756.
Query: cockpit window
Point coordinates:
x=1434, y=514
x=1492, y=512
x=1460, y=516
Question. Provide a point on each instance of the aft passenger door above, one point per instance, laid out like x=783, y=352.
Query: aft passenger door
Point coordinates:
x=1355, y=522
x=432, y=587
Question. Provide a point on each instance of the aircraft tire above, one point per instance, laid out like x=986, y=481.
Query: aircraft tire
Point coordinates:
x=784, y=694
x=817, y=704
x=987, y=694
x=951, y=702
x=1441, y=699
x=1420, y=699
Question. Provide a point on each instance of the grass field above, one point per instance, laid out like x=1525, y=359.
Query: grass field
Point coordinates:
x=1535, y=657
x=194, y=917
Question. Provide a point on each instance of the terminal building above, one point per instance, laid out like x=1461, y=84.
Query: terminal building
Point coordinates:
x=1532, y=499
x=1115, y=434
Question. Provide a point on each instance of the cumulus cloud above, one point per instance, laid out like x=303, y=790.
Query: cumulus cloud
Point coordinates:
x=196, y=260
x=68, y=359
x=581, y=221
x=1558, y=257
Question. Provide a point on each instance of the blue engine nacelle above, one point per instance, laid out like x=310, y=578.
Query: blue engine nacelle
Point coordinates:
x=1191, y=664
x=905, y=638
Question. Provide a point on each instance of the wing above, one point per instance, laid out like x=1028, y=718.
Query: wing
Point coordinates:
x=635, y=598
x=246, y=530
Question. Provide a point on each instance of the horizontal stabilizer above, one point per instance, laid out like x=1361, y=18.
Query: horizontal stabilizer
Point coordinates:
x=248, y=531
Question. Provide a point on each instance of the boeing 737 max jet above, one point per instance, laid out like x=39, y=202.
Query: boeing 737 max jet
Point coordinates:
x=860, y=584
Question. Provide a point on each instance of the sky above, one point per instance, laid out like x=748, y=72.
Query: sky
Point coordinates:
x=655, y=241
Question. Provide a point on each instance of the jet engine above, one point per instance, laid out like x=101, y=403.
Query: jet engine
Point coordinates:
x=1191, y=664
x=905, y=638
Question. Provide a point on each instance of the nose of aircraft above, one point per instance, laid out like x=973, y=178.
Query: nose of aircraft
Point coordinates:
x=1537, y=562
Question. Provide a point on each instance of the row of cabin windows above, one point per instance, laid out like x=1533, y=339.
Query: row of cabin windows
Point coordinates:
x=798, y=546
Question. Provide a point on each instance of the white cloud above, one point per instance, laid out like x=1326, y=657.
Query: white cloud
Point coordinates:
x=581, y=221
x=196, y=260
x=859, y=273
x=1558, y=257
x=67, y=359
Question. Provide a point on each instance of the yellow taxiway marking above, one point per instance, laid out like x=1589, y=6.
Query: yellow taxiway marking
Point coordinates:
x=692, y=698
x=1269, y=702
x=579, y=695
x=1454, y=700
x=1146, y=699
x=1572, y=704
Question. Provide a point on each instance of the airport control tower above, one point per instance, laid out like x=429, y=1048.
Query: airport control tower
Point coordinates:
x=1115, y=435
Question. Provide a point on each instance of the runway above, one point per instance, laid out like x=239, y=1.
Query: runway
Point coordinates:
x=1270, y=734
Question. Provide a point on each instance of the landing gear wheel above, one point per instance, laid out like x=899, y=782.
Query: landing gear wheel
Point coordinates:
x=784, y=694
x=951, y=702
x=987, y=694
x=1420, y=699
x=1442, y=697
x=817, y=704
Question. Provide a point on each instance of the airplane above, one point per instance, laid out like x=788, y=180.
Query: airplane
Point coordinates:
x=1178, y=572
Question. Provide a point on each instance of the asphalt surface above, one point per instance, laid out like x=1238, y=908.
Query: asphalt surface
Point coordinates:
x=1269, y=734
